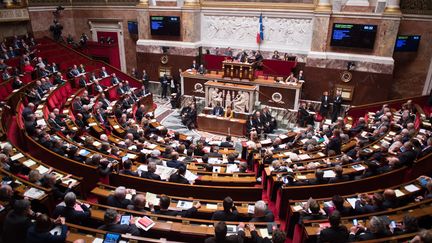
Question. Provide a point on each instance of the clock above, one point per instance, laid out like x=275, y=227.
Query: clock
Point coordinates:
x=164, y=59
x=346, y=76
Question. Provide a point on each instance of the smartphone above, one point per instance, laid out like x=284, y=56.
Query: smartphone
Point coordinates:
x=125, y=219
x=355, y=222
x=392, y=224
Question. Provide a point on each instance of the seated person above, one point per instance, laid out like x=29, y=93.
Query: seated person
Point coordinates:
x=336, y=233
x=17, y=222
x=118, y=199
x=315, y=211
x=278, y=236
x=291, y=78
x=74, y=212
x=228, y=143
x=229, y=112
x=262, y=213
x=40, y=231
x=378, y=228
x=179, y=177
x=201, y=69
x=218, y=110
x=164, y=204
x=111, y=224
x=150, y=173
x=229, y=212
x=221, y=234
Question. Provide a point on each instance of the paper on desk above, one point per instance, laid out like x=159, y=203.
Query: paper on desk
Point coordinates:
x=131, y=156
x=303, y=156
x=399, y=193
x=34, y=193
x=329, y=174
x=97, y=143
x=116, y=126
x=151, y=146
x=231, y=168
x=84, y=152
x=283, y=136
x=184, y=204
x=264, y=233
x=17, y=156
x=152, y=198
x=29, y=163
x=411, y=188
x=146, y=151
x=216, y=169
x=98, y=240
x=42, y=169
x=352, y=201
x=358, y=167
x=92, y=124
x=321, y=154
x=297, y=208
x=301, y=177
x=41, y=122
x=190, y=176
x=251, y=209
x=211, y=206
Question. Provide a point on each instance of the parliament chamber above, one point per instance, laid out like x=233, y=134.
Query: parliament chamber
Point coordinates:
x=283, y=121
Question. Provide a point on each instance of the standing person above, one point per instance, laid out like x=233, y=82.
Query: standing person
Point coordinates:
x=164, y=86
x=172, y=84
x=325, y=102
x=337, y=104
x=145, y=80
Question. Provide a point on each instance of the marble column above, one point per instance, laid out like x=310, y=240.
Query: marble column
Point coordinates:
x=320, y=27
x=392, y=6
x=143, y=19
x=323, y=5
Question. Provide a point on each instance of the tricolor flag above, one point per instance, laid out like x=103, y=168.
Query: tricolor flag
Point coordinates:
x=260, y=33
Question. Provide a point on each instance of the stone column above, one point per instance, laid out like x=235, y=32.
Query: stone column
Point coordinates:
x=323, y=5
x=392, y=6
x=192, y=3
x=143, y=19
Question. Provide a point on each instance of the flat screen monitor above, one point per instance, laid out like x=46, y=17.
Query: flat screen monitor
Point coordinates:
x=354, y=35
x=407, y=43
x=165, y=25
x=133, y=27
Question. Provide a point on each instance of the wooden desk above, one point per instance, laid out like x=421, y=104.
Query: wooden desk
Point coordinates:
x=238, y=70
x=220, y=125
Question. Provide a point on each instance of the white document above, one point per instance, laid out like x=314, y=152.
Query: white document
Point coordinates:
x=34, y=193
x=29, y=163
x=352, y=201
x=399, y=193
x=41, y=122
x=184, y=204
x=411, y=188
x=329, y=174
x=42, y=169
x=211, y=206
x=190, y=176
x=17, y=156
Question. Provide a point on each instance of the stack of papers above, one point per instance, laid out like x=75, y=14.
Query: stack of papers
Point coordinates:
x=329, y=174
x=144, y=223
x=42, y=169
x=17, y=156
x=29, y=163
x=34, y=193
x=184, y=204
x=411, y=188
x=152, y=198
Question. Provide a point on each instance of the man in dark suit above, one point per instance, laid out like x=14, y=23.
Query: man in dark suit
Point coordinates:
x=278, y=236
x=335, y=142
x=194, y=65
x=426, y=150
x=337, y=105
x=120, y=90
x=227, y=143
x=201, y=69
x=164, y=85
x=218, y=110
x=229, y=213
x=174, y=163
x=111, y=224
x=73, y=212
x=262, y=213
x=145, y=80
x=325, y=103
x=179, y=177
x=114, y=79
x=150, y=173
x=164, y=203
x=127, y=169
x=336, y=233
x=405, y=158
x=40, y=231
x=17, y=222
x=103, y=73
x=118, y=200
x=259, y=122
x=221, y=231
x=250, y=124
x=82, y=81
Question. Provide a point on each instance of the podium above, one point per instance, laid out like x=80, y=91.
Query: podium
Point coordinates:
x=237, y=70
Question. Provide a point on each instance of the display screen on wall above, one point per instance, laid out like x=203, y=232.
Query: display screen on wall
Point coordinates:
x=353, y=35
x=165, y=25
x=133, y=27
x=409, y=43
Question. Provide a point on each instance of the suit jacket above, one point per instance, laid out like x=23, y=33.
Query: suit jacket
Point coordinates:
x=258, y=239
x=120, y=228
x=238, y=238
x=226, y=144
x=176, y=178
x=218, y=111
x=335, y=144
x=15, y=227
x=268, y=217
x=334, y=235
x=174, y=164
x=36, y=237
x=150, y=175
x=72, y=216
x=325, y=101
x=221, y=215
x=115, y=202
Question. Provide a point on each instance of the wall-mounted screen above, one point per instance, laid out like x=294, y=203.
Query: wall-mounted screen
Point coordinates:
x=354, y=35
x=408, y=43
x=165, y=25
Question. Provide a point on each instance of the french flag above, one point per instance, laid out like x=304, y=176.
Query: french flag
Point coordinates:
x=260, y=33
